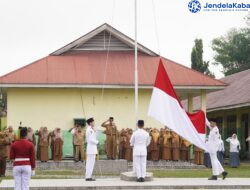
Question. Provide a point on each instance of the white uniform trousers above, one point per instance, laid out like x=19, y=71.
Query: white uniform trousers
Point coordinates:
x=134, y=170
x=22, y=175
x=90, y=163
x=140, y=166
x=217, y=168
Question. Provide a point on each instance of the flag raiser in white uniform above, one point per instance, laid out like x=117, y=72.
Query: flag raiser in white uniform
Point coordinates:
x=140, y=140
x=92, y=142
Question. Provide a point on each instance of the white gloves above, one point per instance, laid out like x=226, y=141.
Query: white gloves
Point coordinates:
x=33, y=173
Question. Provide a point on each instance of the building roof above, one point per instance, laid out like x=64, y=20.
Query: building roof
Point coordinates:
x=103, y=58
x=104, y=37
x=235, y=95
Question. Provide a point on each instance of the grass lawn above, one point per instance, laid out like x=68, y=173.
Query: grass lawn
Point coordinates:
x=241, y=172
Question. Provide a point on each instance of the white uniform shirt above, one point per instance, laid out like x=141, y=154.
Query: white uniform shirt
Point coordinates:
x=140, y=140
x=213, y=138
x=234, y=145
x=91, y=141
x=221, y=146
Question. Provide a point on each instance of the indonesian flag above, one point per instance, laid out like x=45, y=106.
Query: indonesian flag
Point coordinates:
x=166, y=107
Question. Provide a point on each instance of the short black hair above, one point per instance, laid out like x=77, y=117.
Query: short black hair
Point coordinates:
x=90, y=120
x=23, y=132
x=111, y=118
x=213, y=120
x=140, y=123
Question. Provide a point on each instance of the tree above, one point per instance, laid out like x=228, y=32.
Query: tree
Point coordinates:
x=233, y=50
x=197, y=62
x=247, y=18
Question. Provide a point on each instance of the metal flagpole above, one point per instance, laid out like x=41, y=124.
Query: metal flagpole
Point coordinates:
x=136, y=75
x=136, y=63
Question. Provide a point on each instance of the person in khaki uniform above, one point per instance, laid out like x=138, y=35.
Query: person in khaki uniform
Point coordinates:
x=12, y=137
x=57, y=145
x=155, y=151
x=5, y=141
x=185, y=149
x=43, y=144
x=198, y=156
x=175, y=146
x=38, y=153
x=161, y=143
x=149, y=147
x=79, y=139
x=122, y=144
x=31, y=136
x=128, y=147
x=111, y=138
x=52, y=142
x=167, y=148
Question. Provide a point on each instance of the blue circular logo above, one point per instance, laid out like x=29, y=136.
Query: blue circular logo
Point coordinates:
x=194, y=6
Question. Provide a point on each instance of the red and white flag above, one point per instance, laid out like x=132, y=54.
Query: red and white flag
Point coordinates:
x=166, y=107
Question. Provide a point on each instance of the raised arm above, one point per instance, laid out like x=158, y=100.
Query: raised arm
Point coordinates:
x=228, y=139
x=104, y=124
x=208, y=124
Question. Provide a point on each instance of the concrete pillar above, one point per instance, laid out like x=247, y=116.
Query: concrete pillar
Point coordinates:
x=238, y=130
x=204, y=103
x=190, y=103
x=238, y=124
x=248, y=135
x=190, y=110
x=224, y=127
x=203, y=100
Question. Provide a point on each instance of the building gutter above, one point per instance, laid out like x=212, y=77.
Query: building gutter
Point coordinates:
x=102, y=86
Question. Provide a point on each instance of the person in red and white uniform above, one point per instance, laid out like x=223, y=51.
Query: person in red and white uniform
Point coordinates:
x=22, y=152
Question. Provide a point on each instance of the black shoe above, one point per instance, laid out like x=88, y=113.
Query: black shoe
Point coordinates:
x=89, y=179
x=142, y=179
x=139, y=180
x=224, y=175
x=213, y=177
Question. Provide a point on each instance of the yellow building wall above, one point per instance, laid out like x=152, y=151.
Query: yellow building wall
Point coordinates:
x=52, y=107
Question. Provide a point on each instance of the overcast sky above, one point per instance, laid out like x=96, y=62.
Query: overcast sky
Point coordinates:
x=31, y=29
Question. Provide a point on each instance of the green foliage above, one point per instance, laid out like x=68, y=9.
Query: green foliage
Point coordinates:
x=197, y=62
x=247, y=18
x=3, y=123
x=233, y=50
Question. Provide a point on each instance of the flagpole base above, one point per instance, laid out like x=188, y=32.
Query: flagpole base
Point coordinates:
x=131, y=176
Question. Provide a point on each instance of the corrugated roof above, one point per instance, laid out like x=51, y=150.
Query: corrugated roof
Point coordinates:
x=236, y=94
x=88, y=68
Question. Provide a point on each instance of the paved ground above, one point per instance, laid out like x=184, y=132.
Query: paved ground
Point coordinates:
x=116, y=183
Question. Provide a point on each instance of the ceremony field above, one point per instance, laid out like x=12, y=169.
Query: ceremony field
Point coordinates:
x=241, y=172
x=163, y=179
